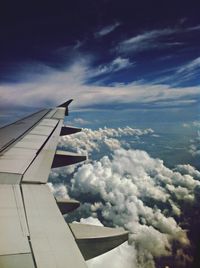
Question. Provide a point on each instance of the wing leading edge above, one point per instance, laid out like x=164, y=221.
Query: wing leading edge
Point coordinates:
x=33, y=231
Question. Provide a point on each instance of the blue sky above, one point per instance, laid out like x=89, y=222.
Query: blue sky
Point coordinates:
x=101, y=54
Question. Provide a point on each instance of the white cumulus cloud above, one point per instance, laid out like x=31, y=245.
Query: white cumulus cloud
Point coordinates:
x=89, y=140
x=129, y=186
x=131, y=189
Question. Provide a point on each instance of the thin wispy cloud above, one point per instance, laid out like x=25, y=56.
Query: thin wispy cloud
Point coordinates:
x=188, y=71
x=152, y=39
x=146, y=41
x=107, y=30
x=181, y=74
x=116, y=65
x=191, y=66
x=193, y=28
x=55, y=86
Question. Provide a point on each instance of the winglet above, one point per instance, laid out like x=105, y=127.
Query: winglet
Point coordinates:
x=65, y=105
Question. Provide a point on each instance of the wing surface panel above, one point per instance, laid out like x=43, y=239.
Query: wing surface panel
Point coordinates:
x=15, y=161
x=13, y=226
x=42, y=130
x=17, y=261
x=9, y=134
x=24, y=154
x=52, y=241
x=51, y=113
x=59, y=114
x=31, y=142
x=39, y=169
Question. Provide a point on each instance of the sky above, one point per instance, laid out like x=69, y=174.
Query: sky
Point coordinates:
x=146, y=53
x=132, y=68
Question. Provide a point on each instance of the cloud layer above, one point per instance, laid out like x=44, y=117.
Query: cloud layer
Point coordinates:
x=54, y=86
x=89, y=140
x=129, y=188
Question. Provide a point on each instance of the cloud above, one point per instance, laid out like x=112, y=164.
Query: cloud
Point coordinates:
x=153, y=39
x=122, y=256
x=107, y=30
x=188, y=169
x=193, y=124
x=193, y=28
x=190, y=66
x=59, y=190
x=116, y=65
x=146, y=41
x=194, y=147
x=54, y=86
x=89, y=140
x=80, y=121
x=129, y=188
x=91, y=220
x=196, y=124
x=188, y=71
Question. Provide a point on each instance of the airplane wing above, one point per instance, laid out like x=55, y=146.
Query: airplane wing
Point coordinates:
x=33, y=232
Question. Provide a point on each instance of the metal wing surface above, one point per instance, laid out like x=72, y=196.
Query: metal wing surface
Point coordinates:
x=33, y=232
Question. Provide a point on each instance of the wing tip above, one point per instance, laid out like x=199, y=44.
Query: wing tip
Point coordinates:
x=66, y=103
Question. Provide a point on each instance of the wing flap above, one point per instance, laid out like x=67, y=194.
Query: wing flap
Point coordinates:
x=67, y=205
x=69, y=130
x=63, y=158
x=96, y=240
